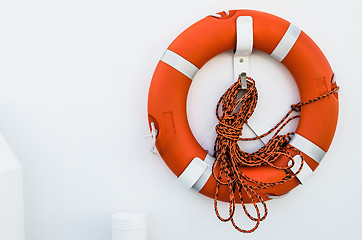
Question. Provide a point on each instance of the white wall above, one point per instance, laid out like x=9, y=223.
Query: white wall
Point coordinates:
x=74, y=77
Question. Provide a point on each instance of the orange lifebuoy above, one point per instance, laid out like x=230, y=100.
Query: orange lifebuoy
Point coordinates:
x=204, y=40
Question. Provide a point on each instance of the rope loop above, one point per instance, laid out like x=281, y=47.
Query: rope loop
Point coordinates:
x=228, y=131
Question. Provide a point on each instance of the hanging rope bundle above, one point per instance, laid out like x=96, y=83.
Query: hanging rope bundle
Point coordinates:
x=233, y=112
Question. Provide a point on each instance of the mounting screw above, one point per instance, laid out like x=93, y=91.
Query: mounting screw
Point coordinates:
x=241, y=60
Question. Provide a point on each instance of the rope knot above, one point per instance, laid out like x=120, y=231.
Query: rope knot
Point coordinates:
x=296, y=107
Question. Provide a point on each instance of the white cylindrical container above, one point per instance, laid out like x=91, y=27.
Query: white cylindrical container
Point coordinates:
x=11, y=194
x=129, y=226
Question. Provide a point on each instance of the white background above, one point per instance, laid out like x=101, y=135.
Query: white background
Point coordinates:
x=74, y=77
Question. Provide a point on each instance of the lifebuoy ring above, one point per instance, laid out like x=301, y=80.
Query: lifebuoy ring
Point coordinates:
x=201, y=42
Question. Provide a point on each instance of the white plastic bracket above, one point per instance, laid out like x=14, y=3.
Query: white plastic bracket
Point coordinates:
x=244, y=47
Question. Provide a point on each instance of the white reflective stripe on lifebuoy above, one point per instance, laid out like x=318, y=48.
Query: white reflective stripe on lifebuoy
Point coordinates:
x=179, y=63
x=193, y=172
x=305, y=172
x=200, y=183
x=286, y=43
x=307, y=147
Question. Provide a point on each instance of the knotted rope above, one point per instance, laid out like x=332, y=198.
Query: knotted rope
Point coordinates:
x=233, y=112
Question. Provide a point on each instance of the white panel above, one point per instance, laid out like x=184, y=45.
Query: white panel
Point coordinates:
x=304, y=173
x=286, y=43
x=209, y=161
x=193, y=172
x=11, y=194
x=179, y=63
x=307, y=147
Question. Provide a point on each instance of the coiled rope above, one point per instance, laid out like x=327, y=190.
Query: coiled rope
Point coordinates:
x=232, y=113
